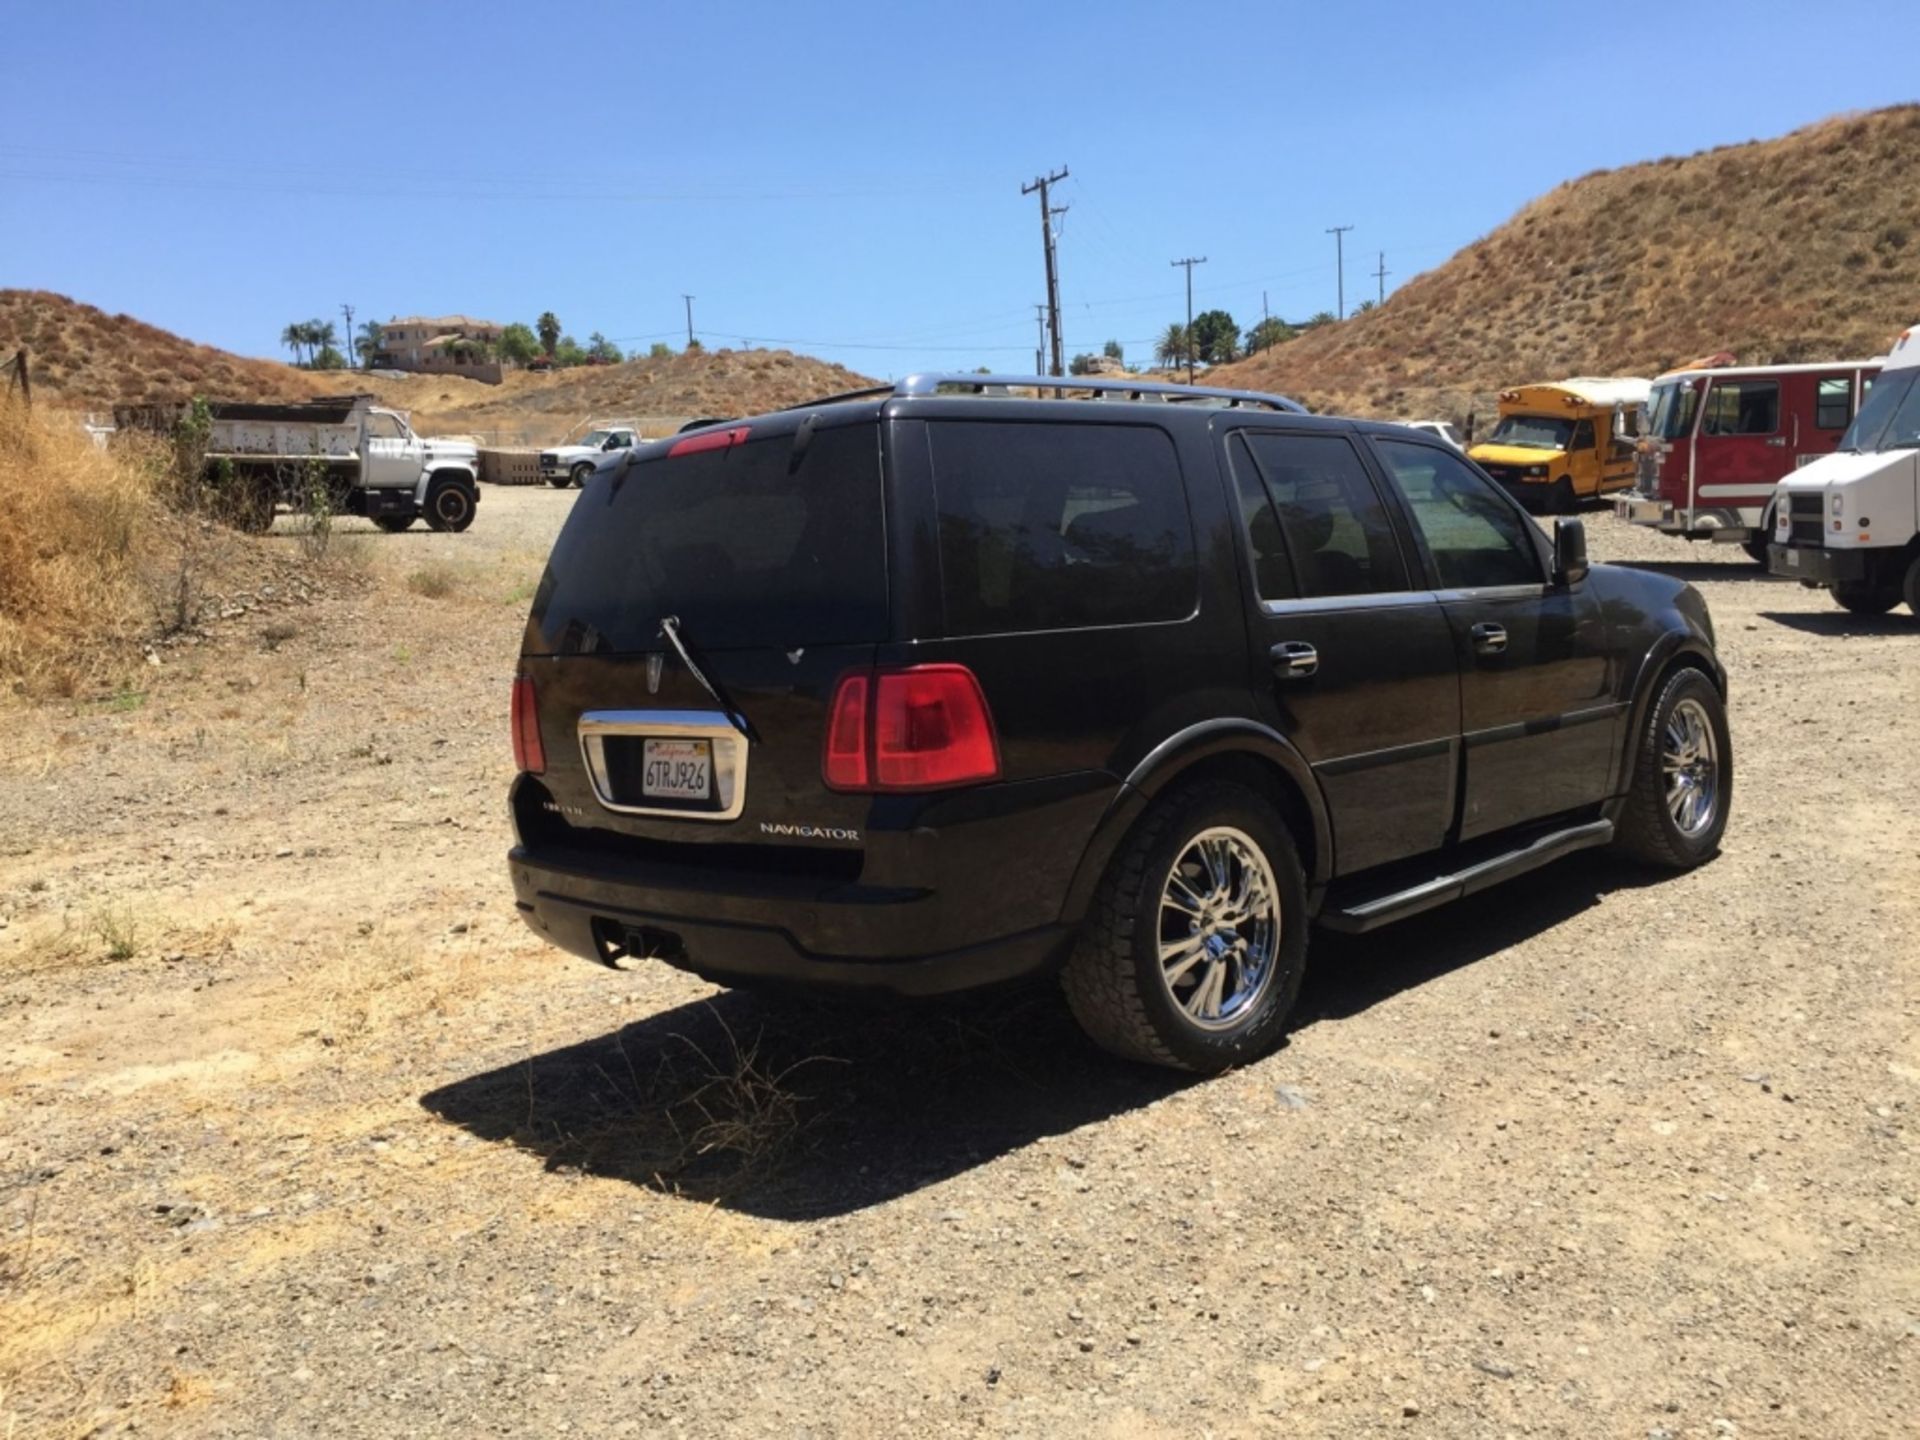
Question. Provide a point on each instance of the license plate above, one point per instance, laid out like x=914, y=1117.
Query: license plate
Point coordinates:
x=676, y=769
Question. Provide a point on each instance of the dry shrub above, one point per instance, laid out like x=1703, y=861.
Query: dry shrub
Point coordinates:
x=77, y=528
x=434, y=582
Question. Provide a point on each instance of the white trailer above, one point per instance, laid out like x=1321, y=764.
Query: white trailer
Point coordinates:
x=1849, y=522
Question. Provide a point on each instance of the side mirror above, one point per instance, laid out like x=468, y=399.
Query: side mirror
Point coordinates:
x=1569, y=552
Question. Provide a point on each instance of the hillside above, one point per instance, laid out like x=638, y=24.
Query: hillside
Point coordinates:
x=1805, y=247
x=86, y=359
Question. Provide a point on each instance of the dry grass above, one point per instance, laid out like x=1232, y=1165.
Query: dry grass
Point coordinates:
x=434, y=582
x=1800, y=248
x=79, y=531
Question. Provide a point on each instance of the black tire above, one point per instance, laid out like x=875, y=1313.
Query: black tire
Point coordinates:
x=1910, y=586
x=1560, y=499
x=1756, y=546
x=560, y=482
x=1648, y=830
x=1859, y=597
x=451, y=502
x=581, y=474
x=394, y=524
x=1113, y=978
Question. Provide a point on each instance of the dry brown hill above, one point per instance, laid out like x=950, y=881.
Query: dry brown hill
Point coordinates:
x=85, y=359
x=1805, y=247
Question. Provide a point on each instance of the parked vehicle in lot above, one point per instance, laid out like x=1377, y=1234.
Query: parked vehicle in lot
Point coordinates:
x=924, y=688
x=1719, y=440
x=264, y=456
x=566, y=465
x=1556, y=445
x=1445, y=429
x=1849, y=522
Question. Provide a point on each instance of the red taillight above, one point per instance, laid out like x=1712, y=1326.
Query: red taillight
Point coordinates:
x=716, y=439
x=528, y=753
x=921, y=728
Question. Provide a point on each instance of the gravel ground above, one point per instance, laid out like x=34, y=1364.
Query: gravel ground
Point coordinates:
x=305, y=1134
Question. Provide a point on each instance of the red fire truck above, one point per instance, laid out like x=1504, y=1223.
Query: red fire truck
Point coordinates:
x=1720, y=436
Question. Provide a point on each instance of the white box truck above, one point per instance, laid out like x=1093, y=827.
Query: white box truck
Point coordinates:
x=1849, y=522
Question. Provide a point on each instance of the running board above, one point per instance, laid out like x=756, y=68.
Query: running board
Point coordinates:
x=1378, y=910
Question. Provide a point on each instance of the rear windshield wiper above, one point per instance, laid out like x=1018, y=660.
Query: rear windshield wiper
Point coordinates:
x=670, y=627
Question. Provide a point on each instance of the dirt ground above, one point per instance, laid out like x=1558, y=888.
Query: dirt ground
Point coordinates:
x=304, y=1133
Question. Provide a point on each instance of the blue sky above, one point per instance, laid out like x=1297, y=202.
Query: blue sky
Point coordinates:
x=844, y=180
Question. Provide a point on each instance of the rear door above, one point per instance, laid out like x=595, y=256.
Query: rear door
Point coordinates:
x=1536, y=716
x=1351, y=661
x=769, y=555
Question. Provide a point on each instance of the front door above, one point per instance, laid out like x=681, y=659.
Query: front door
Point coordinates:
x=1350, y=661
x=1537, y=720
x=391, y=457
x=1741, y=452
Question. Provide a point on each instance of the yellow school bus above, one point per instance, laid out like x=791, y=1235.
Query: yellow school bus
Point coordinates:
x=1558, y=444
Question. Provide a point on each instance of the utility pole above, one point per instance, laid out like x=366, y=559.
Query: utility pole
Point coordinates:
x=352, y=349
x=1190, y=262
x=1041, y=183
x=1040, y=341
x=1381, y=275
x=689, y=300
x=1338, y=232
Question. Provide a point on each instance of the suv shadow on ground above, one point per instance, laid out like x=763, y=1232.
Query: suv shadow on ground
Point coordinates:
x=1839, y=622
x=1694, y=571
x=790, y=1108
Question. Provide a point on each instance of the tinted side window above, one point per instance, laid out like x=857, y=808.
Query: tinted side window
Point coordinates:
x=1742, y=407
x=1474, y=536
x=1051, y=526
x=1337, y=537
x=1833, y=402
x=1272, y=575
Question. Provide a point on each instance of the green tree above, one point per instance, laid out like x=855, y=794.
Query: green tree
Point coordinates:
x=518, y=344
x=329, y=358
x=1323, y=317
x=1216, y=339
x=548, y=328
x=660, y=350
x=367, y=341
x=604, y=350
x=1267, y=334
x=321, y=336
x=1171, y=348
x=1080, y=364
x=1363, y=307
x=694, y=347
x=566, y=351
x=294, y=337
x=1113, y=351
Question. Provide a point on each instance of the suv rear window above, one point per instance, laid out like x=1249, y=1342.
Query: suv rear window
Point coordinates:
x=745, y=547
x=1054, y=526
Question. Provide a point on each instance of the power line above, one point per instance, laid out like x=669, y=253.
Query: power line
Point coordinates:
x=1338, y=232
x=1042, y=184
x=1189, y=263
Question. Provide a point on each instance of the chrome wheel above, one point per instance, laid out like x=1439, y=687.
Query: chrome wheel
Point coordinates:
x=1690, y=763
x=1219, y=928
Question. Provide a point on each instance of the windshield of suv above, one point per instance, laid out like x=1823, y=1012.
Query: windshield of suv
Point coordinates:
x=1889, y=419
x=1532, y=432
x=746, y=547
x=1670, y=411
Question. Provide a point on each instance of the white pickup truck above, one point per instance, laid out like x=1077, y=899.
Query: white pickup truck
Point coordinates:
x=1850, y=521
x=566, y=465
x=260, y=457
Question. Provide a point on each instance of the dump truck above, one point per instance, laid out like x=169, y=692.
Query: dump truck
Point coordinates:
x=369, y=462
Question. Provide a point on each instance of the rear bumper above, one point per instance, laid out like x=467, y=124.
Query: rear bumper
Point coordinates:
x=1814, y=565
x=798, y=931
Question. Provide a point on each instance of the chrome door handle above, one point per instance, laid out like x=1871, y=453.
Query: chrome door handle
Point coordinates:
x=1294, y=659
x=1489, y=639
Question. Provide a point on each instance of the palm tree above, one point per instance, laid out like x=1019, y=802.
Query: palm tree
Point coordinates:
x=548, y=328
x=293, y=337
x=1324, y=317
x=321, y=334
x=368, y=340
x=1363, y=307
x=1171, y=348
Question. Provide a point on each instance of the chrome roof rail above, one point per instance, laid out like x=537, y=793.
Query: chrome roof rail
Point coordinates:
x=1160, y=390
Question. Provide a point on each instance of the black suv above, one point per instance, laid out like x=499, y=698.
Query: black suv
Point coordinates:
x=940, y=685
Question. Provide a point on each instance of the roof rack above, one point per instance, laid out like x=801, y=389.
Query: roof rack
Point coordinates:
x=1160, y=390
